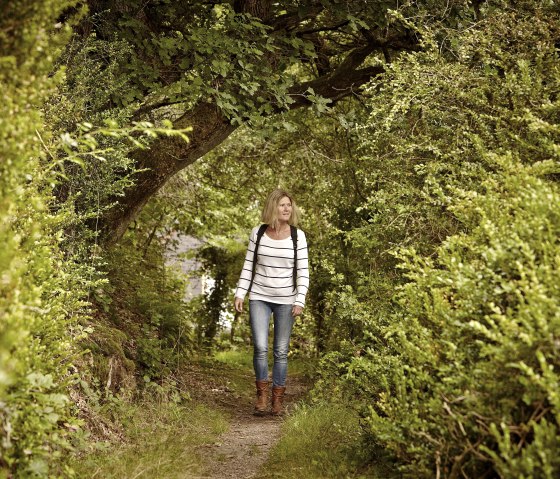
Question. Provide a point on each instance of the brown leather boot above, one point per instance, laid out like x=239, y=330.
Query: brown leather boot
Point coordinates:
x=277, y=399
x=262, y=398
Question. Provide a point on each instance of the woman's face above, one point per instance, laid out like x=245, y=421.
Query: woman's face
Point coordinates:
x=285, y=209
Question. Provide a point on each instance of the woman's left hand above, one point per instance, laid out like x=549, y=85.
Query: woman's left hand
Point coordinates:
x=296, y=310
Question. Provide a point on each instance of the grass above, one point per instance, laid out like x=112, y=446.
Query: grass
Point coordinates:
x=243, y=358
x=323, y=442
x=160, y=442
x=162, y=434
x=232, y=370
x=236, y=357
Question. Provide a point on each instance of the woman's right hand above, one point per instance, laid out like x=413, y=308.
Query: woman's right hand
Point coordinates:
x=238, y=305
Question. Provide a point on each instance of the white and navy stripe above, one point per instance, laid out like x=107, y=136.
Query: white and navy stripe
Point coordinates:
x=273, y=280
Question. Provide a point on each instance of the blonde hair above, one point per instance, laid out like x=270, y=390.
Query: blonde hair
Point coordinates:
x=269, y=214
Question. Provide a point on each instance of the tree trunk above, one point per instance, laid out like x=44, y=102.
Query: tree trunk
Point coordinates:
x=165, y=157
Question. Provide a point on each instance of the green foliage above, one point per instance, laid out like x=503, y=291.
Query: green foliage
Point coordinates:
x=321, y=441
x=145, y=300
x=41, y=295
x=193, y=206
x=487, y=306
x=184, y=54
x=458, y=366
x=179, y=54
x=48, y=270
x=431, y=209
x=238, y=357
x=220, y=264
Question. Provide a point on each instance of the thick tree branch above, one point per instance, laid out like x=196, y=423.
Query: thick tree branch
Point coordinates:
x=334, y=87
x=345, y=80
x=165, y=157
x=150, y=107
x=257, y=8
x=330, y=28
x=168, y=155
x=291, y=20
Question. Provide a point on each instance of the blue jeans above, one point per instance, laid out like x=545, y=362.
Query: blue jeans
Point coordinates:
x=259, y=314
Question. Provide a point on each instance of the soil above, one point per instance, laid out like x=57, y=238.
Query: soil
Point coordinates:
x=242, y=450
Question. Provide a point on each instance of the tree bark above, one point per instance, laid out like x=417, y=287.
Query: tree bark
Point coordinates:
x=165, y=157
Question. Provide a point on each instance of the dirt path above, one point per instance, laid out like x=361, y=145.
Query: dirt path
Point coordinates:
x=244, y=448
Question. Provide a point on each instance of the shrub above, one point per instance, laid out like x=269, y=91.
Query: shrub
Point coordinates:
x=41, y=294
x=476, y=386
x=458, y=368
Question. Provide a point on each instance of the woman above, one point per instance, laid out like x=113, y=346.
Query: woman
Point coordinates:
x=278, y=279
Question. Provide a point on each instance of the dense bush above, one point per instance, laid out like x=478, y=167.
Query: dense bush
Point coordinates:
x=458, y=367
x=144, y=299
x=41, y=294
x=473, y=385
x=49, y=264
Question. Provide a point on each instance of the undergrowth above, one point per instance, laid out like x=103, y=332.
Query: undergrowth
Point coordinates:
x=161, y=437
x=323, y=441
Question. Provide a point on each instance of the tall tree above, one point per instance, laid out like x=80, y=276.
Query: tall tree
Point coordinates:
x=215, y=65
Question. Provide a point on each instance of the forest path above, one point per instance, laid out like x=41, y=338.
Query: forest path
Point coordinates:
x=242, y=450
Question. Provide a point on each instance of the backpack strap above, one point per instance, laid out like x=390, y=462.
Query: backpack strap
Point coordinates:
x=293, y=231
x=260, y=232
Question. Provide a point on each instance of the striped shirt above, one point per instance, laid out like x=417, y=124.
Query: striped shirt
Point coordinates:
x=273, y=280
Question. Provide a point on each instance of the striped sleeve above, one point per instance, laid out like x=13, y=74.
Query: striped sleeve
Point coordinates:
x=245, y=277
x=302, y=269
